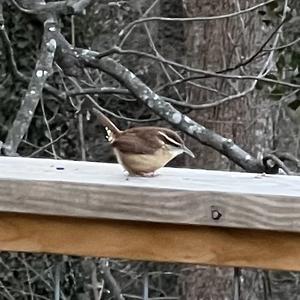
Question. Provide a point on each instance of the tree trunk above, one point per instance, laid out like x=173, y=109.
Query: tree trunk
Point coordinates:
x=216, y=45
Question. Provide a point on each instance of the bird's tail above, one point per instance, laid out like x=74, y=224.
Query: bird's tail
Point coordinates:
x=110, y=127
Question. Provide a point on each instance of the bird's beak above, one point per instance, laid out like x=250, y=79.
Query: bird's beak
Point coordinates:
x=188, y=151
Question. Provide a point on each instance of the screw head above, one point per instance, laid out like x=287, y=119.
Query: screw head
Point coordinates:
x=215, y=214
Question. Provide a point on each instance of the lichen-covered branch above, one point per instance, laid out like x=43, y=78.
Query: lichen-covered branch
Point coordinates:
x=70, y=7
x=168, y=112
x=33, y=94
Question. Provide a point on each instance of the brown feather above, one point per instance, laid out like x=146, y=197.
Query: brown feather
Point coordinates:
x=144, y=140
x=138, y=141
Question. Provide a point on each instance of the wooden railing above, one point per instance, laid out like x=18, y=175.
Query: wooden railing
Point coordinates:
x=183, y=215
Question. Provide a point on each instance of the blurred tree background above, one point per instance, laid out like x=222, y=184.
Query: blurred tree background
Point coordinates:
x=260, y=117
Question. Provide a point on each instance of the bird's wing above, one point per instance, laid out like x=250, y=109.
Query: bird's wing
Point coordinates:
x=136, y=144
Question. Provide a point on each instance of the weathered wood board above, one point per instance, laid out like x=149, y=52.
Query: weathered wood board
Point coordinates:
x=178, y=196
x=150, y=241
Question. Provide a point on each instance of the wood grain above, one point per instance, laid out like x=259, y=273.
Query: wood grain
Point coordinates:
x=181, y=196
x=147, y=241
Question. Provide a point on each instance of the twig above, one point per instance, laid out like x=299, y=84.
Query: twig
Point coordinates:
x=10, y=53
x=258, y=51
x=22, y=9
x=197, y=85
x=284, y=46
x=48, y=145
x=155, y=119
x=236, y=284
x=277, y=163
x=104, y=90
x=209, y=104
x=163, y=67
x=57, y=281
x=130, y=296
x=8, y=294
x=288, y=156
x=28, y=277
x=81, y=136
x=144, y=15
x=146, y=285
x=37, y=274
x=48, y=127
x=37, y=147
x=218, y=74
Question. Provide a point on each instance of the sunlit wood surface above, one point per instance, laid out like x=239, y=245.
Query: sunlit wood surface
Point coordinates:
x=180, y=196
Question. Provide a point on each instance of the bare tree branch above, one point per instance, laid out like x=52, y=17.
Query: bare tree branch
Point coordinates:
x=103, y=90
x=31, y=99
x=33, y=154
x=69, y=7
x=9, y=50
x=200, y=71
x=112, y=90
x=207, y=74
x=168, y=112
x=110, y=280
x=284, y=46
x=276, y=164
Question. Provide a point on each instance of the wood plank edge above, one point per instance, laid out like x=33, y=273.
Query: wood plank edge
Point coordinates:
x=150, y=204
x=150, y=241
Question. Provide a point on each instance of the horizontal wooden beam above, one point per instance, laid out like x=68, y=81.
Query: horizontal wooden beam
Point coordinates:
x=148, y=241
x=176, y=196
x=181, y=196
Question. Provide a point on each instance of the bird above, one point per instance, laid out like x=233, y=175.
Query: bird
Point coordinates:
x=142, y=150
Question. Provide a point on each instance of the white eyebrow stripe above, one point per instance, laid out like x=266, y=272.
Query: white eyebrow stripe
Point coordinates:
x=169, y=138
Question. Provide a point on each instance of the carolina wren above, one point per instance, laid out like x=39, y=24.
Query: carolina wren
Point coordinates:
x=143, y=150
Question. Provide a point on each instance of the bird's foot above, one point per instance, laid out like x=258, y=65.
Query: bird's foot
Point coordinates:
x=151, y=174
x=140, y=174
